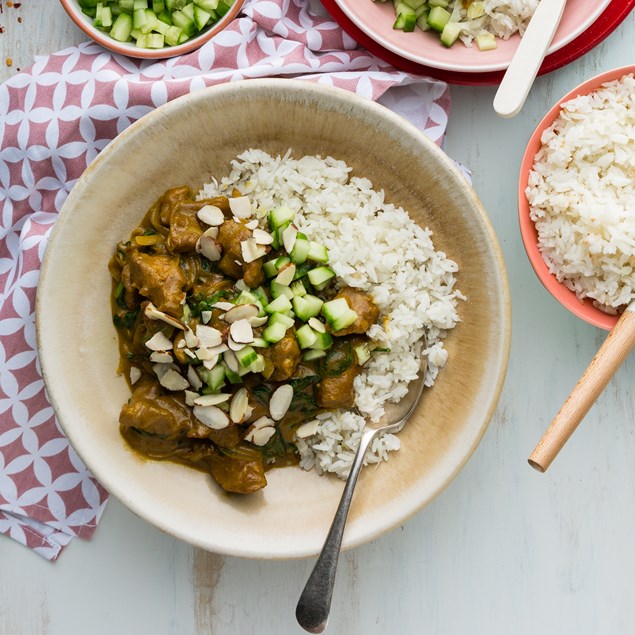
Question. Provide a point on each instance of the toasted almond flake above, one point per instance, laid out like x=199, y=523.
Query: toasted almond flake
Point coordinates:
x=285, y=274
x=189, y=353
x=235, y=346
x=231, y=360
x=211, y=416
x=260, y=437
x=217, y=350
x=210, y=363
x=210, y=400
x=307, y=429
x=160, y=357
x=172, y=380
x=251, y=250
x=241, y=332
x=190, y=396
x=204, y=353
x=261, y=422
x=258, y=321
x=223, y=306
x=193, y=378
x=190, y=339
x=239, y=406
x=181, y=344
x=209, y=247
x=212, y=232
x=211, y=215
x=208, y=336
x=241, y=285
x=262, y=237
x=161, y=369
x=135, y=375
x=159, y=342
x=241, y=312
x=152, y=313
x=288, y=237
x=206, y=316
x=252, y=224
x=316, y=325
x=240, y=206
x=280, y=402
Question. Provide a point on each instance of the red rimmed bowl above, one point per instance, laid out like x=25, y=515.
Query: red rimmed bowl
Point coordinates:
x=85, y=23
x=567, y=298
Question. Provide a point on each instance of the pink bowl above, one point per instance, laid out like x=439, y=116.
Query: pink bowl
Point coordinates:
x=568, y=299
x=85, y=23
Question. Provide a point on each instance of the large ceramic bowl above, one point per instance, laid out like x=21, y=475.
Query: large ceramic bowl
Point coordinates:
x=376, y=20
x=85, y=23
x=188, y=141
x=566, y=297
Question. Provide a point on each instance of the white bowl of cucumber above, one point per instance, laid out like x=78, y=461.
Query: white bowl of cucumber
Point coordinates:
x=152, y=29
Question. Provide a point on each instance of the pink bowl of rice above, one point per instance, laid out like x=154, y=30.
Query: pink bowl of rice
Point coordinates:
x=576, y=198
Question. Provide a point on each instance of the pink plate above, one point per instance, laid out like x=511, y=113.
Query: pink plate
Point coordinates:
x=376, y=20
x=568, y=299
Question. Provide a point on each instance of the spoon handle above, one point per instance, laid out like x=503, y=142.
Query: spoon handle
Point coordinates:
x=527, y=60
x=312, y=611
x=607, y=360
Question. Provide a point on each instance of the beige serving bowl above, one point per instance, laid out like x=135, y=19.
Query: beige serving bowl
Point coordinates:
x=188, y=141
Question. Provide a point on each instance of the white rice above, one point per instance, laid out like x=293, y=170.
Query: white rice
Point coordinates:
x=582, y=198
x=373, y=246
x=503, y=18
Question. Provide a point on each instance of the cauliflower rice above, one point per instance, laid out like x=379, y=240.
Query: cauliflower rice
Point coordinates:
x=373, y=246
x=582, y=198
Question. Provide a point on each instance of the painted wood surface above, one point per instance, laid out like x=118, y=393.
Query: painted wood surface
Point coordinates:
x=504, y=550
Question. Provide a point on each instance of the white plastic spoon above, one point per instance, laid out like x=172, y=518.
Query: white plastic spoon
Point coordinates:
x=527, y=60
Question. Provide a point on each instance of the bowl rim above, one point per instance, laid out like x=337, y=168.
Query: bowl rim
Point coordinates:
x=483, y=67
x=124, y=48
x=567, y=298
x=502, y=359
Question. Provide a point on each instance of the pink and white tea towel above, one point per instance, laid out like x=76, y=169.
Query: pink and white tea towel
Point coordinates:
x=55, y=117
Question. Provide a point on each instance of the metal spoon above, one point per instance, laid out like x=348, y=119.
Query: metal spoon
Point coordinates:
x=312, y=611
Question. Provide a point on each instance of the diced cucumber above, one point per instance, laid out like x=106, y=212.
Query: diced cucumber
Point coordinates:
x=485, y=42
x=301, y=270
x=158, y=6
x=222, y=8
x=282, y=261
x=280, y=289
x=300, y=250
x=311, y=355
x=166, y=18
x=246, y=356
x=173, y=35
x=450, y=33
x=306, y=336
x=260, y=342
x=438, y=18
x=106, y=17
x=406, y=18
x=281, y=318
x=258, y=365
x=139, y=20
x=338, y=314
x=121, y=28
x=270, y=269
x=317, y=252
x=161, y=27
x=233, y=378
x=274, y=332
x=281, y=304
x=475, y=10
x=320, y=276
x=207, y=5
x=414, y=4
x=323, y=341
x=247, y=297
x=140, y=4
x=184, y=23
x=215, y=378
x=438, y=3
x=344, y=320
x=135, y=34
x=422, y=21
x=150, y=23
x=363, y=353
x=261, y=295
x=154, y=41
x=188, y=11
x=127, y=6
x=280, y=215
x=307, y=306
x=298, y=288
x=201, y=18
x=184, y=37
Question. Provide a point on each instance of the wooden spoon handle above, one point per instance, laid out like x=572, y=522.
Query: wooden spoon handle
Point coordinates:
x=603, y=366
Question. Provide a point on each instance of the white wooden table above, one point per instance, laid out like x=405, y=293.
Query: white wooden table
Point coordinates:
x=502, y=551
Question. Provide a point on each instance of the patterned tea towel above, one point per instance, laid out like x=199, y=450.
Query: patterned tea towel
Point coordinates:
x=55, y=117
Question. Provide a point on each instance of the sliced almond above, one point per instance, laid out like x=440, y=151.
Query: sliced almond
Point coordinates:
x=159, y=357
x=190, y=396
x=241, y=285
x=211, y=215
x=280, y=401
x=261, y=422
x=307, y=429
x=235, y=346
x=231, y=360
x=251, y=250
x=262, y=237
x=223, y=306
x=189, y=353
x=210, y=400
x=252, y=224
x=209, y=247
x=193, y=378
x=135, y=375
x=285, y=274
x=258, y=321
x=288, y=237
x=190, y=339
x=211, y=416
x=211, y=231
x=241, y=312
x=152, y=313
x=206, y=316
x=316, y=325
x=159, y=342
x=261, y=436
x=172, y=380
x=239, y=406
x=210, y=363
x=241, y=332
x=161, y=369
x=181, y=344
x=208, y=335
x=218, y=350
x=240, y=206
